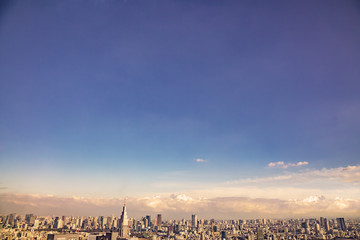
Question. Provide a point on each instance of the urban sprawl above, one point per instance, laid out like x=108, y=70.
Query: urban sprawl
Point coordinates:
x=15, y=227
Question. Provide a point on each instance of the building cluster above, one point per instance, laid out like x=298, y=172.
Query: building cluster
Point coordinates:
x=14, y=226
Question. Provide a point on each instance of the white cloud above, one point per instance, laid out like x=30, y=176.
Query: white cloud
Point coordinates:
x=305, y=193
x=284, y=165
x=261, y=180
x=200, y=160
x=302, y=163
x=182, y=205
x=275, y=164
x=313, y=199
x=181, y=197
x=349, y=174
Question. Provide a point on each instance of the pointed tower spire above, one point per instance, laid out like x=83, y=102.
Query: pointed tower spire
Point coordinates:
x=124, y=223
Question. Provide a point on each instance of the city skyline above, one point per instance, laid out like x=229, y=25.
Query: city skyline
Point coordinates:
x=112, y=228
x=223, y=109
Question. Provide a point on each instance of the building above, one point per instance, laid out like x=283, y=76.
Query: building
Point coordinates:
x=11, y=219
x=63, y=237
x=159, y=220
x=223, y=235
x=30, y=219
x=111, y=235
x=341, y=224
x=317, y=228
x=194, y=220
x=326, y=223
x=36, y=223
x=58, y=223
x=124, y=224
x=259, y=233
x=148, y=219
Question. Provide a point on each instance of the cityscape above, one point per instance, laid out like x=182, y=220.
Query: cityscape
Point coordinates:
x=124, y=227
x=179, y=120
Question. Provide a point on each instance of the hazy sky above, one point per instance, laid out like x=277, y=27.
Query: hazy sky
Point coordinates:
x=180, y=102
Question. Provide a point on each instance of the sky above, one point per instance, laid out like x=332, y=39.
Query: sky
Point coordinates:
x=226, y=109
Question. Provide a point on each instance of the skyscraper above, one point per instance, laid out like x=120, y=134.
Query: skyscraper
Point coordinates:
x=194, y=220
x=148, y=217
x=223, y=235
x=30, y=218
x=11, y=219
x=159, y=220
x=317, y=228
x=326, y=223
x=260, y=233
x=124, y=224
x=58, y=223
x=341, y=224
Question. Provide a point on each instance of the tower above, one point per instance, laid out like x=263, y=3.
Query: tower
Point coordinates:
x=193, y=221
x=124, y=224
x=159, y=220
x=260, y=233
x=327, y=227
x=223, y=235
x=341, y=224
x=148, y=218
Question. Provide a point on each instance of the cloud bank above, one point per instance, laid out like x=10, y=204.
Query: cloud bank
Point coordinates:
x=349, y=174
x=181, y=206
x=325, y=192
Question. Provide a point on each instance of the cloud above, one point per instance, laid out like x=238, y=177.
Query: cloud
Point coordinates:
x=181, y=206
x=284, y=165
x=312, y=199
x=349, y=174
x=181, y=197
x=262, y=180
x=200, y=160
x=326, y=192
x=275, y=164
x=301, y=163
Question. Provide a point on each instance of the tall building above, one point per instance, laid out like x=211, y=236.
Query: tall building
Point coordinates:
x=30, y=218
x=36, y=223
x=148, y=218
x=194, y=220
x=109, y=221
x=159, y=220
x=317, y=228
x=260, y=233
x=223, y=235
x=341, y=224
x=58, y=223
x=124, y=224
x=11, y=218
x=326, y=223
x=101, y=221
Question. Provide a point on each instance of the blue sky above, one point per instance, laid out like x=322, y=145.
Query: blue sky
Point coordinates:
x=133, y=92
